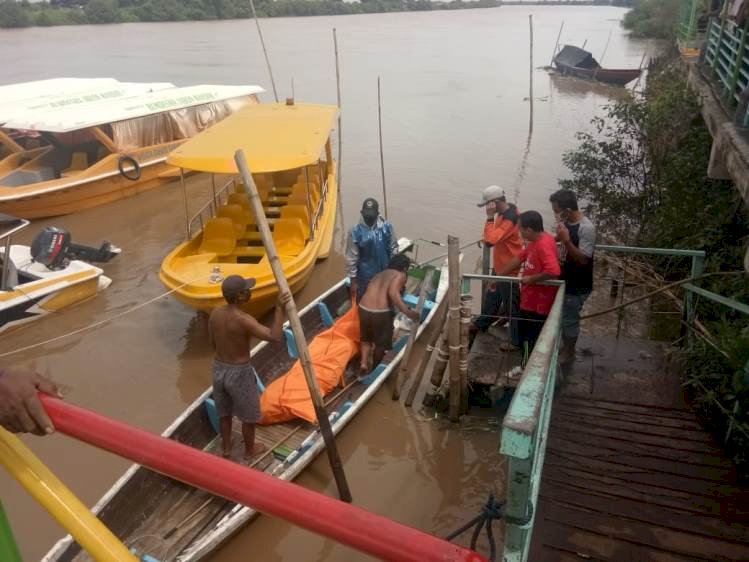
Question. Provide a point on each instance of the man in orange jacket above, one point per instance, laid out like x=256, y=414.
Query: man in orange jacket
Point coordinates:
x=502, y=234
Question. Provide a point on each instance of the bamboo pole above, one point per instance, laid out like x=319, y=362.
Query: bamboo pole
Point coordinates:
x=600, y=62
x=440, y=365
x=382, y=158
x=453, y=325
x=437, y=322
x=265, y=51
x=530, y=95
x=556, y=45
x=296, y=326
x=338, y=93
x=403, y=368
x=642, y=61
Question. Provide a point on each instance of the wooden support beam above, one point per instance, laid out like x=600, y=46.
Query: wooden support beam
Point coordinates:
x=12, y=145
x=104, y=139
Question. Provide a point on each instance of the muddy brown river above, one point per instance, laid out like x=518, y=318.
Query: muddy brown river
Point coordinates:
x=455, y=117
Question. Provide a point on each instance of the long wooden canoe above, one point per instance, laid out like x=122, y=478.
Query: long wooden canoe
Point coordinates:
x=173, y=522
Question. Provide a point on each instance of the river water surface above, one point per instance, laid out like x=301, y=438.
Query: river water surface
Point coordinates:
x=456, y=118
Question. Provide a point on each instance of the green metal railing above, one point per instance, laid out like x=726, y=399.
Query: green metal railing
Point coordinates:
x=524, y=433
x=686, y=29
x=727, y=58
x=526, y=425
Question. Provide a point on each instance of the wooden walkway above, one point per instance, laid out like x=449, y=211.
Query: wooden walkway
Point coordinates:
x=630, y=474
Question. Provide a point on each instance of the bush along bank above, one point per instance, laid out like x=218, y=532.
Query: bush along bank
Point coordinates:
x=643, y=171
x=76, y=12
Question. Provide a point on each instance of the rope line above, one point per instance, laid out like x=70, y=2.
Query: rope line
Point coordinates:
x=99, y=322
x=661, y=290
x=492, y=510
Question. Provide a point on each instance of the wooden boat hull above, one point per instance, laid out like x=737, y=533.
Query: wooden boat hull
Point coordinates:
x=189, y=275
x=617, y=77
x=174, y=522
x=97, y=185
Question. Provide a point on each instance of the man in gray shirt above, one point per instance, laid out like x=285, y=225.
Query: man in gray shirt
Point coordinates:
x=577, y=236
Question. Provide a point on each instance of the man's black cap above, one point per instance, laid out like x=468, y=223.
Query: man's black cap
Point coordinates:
x=235, y=284
x=370, y=207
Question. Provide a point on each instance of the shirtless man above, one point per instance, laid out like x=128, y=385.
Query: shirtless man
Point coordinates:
x=235, y=392
x=376, y=312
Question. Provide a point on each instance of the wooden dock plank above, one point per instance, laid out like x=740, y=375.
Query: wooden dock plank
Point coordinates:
x=628, y=478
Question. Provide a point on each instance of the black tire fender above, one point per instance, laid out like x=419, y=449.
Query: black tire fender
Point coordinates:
x=134, y=173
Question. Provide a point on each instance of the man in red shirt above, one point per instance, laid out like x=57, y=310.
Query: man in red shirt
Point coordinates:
x=502, y=234
x=541, y=264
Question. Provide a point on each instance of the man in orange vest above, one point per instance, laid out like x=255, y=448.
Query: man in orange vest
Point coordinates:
x=502, y=234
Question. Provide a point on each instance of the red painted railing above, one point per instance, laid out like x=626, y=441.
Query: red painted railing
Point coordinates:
x=345, y=523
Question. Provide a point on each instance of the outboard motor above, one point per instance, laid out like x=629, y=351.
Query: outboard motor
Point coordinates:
x=53, y=248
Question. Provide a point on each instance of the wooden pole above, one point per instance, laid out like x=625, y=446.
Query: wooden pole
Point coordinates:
x=556, y=45
x=440, y=365
x=338, y=92
x=530, y=95
x=605, y=48
x=465, y=323
x=600, y=62
x=382, y=158
x=265, y=51
x=184, y=196
x=453, y=325
x=296, y=327
x=438, y=322
x=403, y=368
x=642, y=61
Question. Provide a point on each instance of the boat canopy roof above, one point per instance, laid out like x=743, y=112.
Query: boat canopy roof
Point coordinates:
x=10, y=224
x=575, y=56
x=108, y=103
x=23, y=102
x=273, y=136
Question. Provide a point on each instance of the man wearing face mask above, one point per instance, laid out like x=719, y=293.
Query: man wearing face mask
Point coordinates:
x=369, y=247
x=577, y=236
x=502, y=234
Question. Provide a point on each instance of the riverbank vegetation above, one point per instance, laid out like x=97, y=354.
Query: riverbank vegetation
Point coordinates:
x=643, y=171
x=653, y=19
x=74, y=12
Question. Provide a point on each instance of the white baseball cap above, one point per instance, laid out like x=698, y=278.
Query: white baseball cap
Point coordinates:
x=491, y=193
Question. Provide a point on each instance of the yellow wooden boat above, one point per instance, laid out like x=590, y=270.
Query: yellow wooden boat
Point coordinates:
x=67, y=144
x=289, y=151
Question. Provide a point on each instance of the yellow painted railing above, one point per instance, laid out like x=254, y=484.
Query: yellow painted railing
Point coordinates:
x=60, y=502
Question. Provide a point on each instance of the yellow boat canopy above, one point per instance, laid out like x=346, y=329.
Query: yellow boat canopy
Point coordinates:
x=274, y=137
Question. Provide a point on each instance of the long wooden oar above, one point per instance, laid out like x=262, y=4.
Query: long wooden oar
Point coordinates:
x=296, y=327
x=403, y=368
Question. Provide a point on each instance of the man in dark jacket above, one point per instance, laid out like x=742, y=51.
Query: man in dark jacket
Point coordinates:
x=370, y=245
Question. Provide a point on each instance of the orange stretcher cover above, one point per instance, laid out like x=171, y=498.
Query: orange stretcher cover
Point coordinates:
x=288, y=397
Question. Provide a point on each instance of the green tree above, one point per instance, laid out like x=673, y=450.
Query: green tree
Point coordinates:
x=102, y=11
x=653, y=18
x=643, y=173
x=14, y=14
